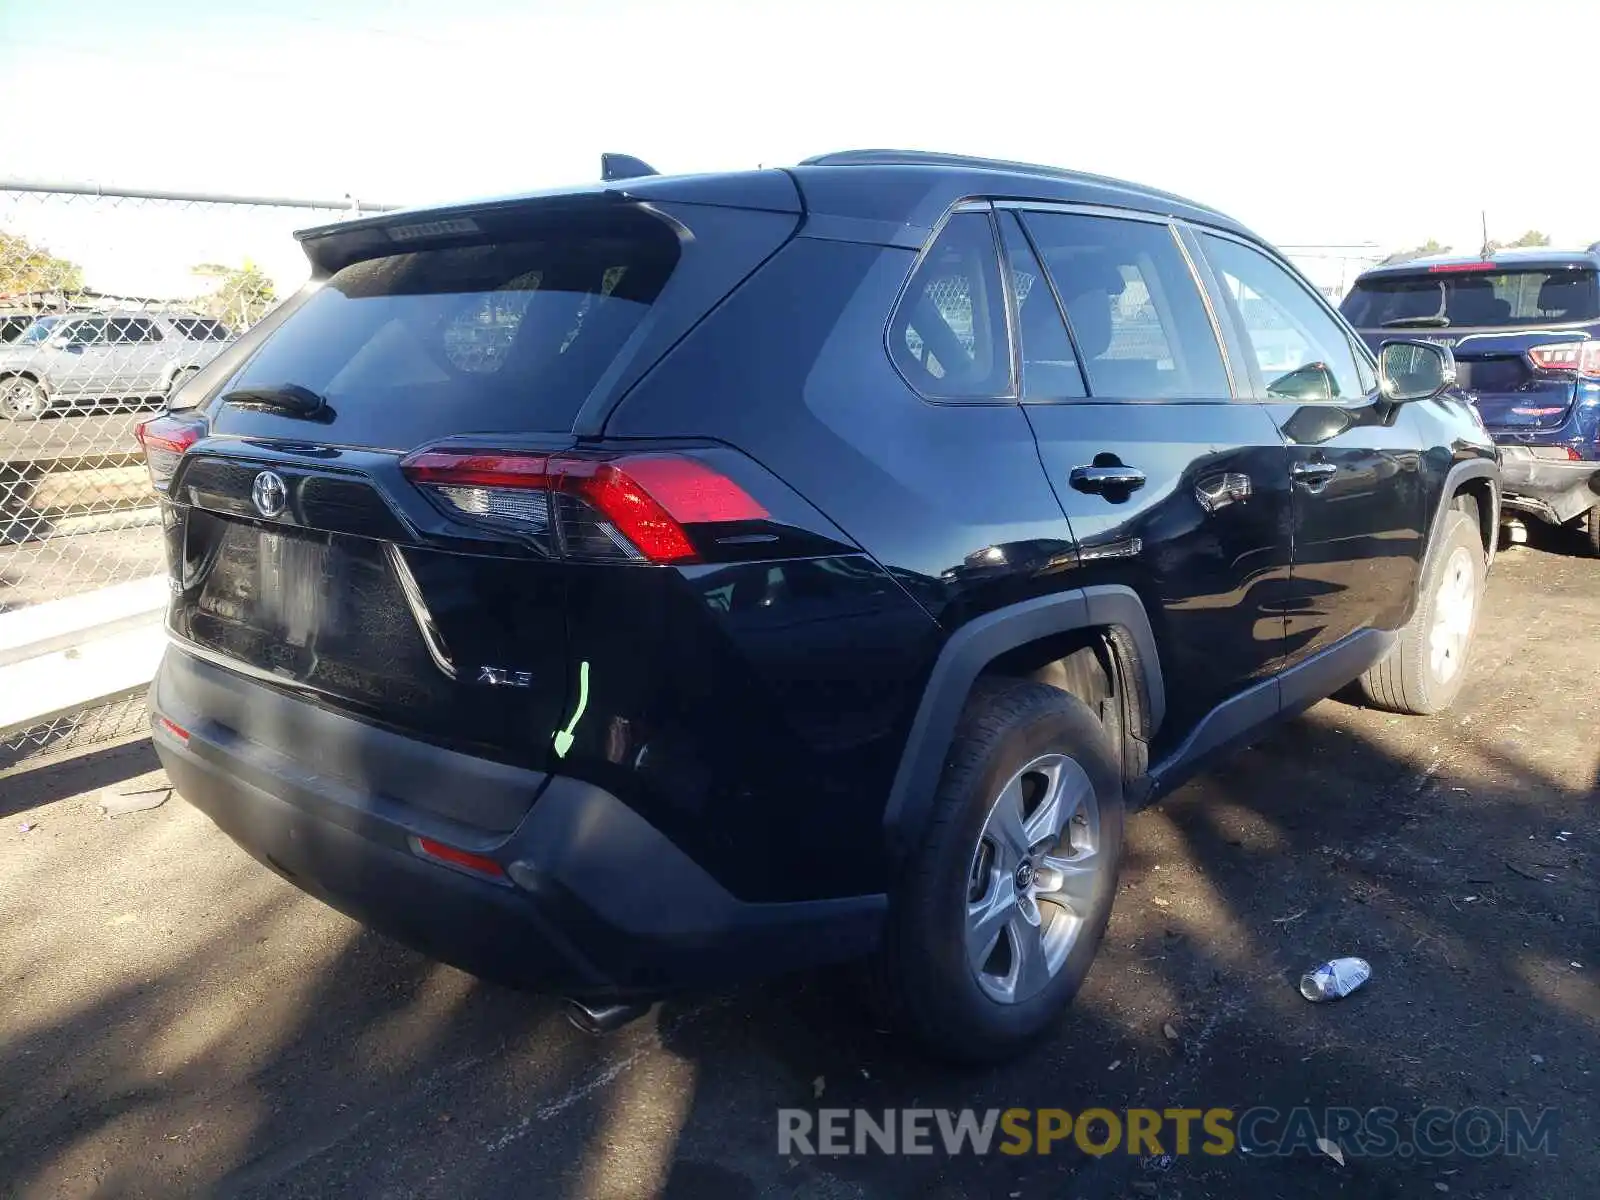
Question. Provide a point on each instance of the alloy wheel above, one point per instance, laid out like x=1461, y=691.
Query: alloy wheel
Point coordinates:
x=1034, y=876
x=22, y=397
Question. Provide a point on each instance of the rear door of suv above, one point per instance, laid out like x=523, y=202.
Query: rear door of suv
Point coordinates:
x=1169, y=483
x=1359, y=496
x=136, y=358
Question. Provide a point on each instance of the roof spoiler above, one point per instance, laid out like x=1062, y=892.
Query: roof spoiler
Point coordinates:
x=624, y=166
x=1594, y=248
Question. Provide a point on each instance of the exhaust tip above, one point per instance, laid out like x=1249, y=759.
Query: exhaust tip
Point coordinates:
x=596, y=1020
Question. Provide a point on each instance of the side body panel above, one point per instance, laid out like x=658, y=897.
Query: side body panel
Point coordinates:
x=949, y=501
x=1360, y=531
x=1211, y=572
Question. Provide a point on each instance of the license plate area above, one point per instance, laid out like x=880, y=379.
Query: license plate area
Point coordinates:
x=1501, y=374
x=295, y=583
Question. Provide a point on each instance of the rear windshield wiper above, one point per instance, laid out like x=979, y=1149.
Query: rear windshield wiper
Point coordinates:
x=1438, y=322
x=288, y=398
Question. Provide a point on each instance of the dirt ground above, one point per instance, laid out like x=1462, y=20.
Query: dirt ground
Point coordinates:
x=175, y=1020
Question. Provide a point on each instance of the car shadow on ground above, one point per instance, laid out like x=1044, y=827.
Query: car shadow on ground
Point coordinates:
x=192, y=1025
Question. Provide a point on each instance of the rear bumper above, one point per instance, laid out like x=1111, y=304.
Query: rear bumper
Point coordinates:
x=1551, y=489
x=596, y=903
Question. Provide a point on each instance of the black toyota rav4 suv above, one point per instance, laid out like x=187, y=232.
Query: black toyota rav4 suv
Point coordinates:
x=647, y=585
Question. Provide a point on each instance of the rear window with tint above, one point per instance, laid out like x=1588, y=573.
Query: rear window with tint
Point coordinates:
x=1545, y=296
x=508, y=335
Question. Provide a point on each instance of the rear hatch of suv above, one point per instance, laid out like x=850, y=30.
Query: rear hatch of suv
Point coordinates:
x=1521, y=334
x=379, y=497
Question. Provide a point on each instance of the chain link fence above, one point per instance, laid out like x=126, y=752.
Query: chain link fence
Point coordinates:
x=108, y=302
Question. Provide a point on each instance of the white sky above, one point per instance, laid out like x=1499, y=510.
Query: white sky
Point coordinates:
x=1387, y=121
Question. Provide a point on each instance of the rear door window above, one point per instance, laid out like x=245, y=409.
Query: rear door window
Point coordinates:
x=1049, y=365
x=90, y=332
x=1483, y=299
x=130, y=330
x=199, y=329
x=505, y=335
x=948, y=335
x=1136, y=314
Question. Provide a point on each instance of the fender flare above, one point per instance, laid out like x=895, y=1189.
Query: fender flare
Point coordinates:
x=1461, y=472
x=976, y=644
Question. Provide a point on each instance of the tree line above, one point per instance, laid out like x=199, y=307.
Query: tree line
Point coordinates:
x=1430, y=247
x=240, y=298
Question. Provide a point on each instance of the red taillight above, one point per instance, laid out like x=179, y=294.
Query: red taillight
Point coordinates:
x=631, y=507
x=1581, y=357
x=172, y=727
x=1567, y=453
x=164, y=440
x=478, y=864
x=1452, y=268
x=468, y=468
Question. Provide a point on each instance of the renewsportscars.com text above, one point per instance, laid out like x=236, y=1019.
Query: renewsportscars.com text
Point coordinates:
x=1373, y=1133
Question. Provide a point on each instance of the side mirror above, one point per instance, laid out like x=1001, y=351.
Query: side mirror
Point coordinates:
x=1409, y=369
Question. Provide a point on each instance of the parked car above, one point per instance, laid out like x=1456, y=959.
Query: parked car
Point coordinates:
x=818, y=567
x=1525, y=329
x=71, y=360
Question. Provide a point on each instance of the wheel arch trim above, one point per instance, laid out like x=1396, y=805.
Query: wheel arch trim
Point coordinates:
x=1454, y=479
x=979, y=642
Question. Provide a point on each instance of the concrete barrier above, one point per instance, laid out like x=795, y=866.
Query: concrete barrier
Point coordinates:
x=64, y=655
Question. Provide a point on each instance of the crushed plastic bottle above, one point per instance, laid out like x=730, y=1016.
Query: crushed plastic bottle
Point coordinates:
x=1335, y=979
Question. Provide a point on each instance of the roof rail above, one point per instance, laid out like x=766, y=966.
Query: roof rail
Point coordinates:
x=624, y=166
x=931, y=158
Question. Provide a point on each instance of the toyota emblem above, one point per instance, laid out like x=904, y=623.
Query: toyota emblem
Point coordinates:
x=270, y=493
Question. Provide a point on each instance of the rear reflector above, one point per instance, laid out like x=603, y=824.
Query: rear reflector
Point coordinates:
x=172, y=727
x=1581, y=357
x=630, y=507
x=164, y=440
x=1569, y=453
x=478, y=864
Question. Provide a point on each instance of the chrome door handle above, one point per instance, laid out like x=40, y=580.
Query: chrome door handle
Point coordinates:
x=1106, y=479
x=1314, y=475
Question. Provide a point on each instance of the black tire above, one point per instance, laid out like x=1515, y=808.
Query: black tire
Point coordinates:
x=1591, y=532
x=1408, y=679
x=925, y=986
x=10, y=407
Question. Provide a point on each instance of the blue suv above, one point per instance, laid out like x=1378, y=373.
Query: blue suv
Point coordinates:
x=1525, y=329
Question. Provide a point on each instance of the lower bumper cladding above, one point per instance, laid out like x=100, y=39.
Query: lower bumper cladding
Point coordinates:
x=583, y=898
